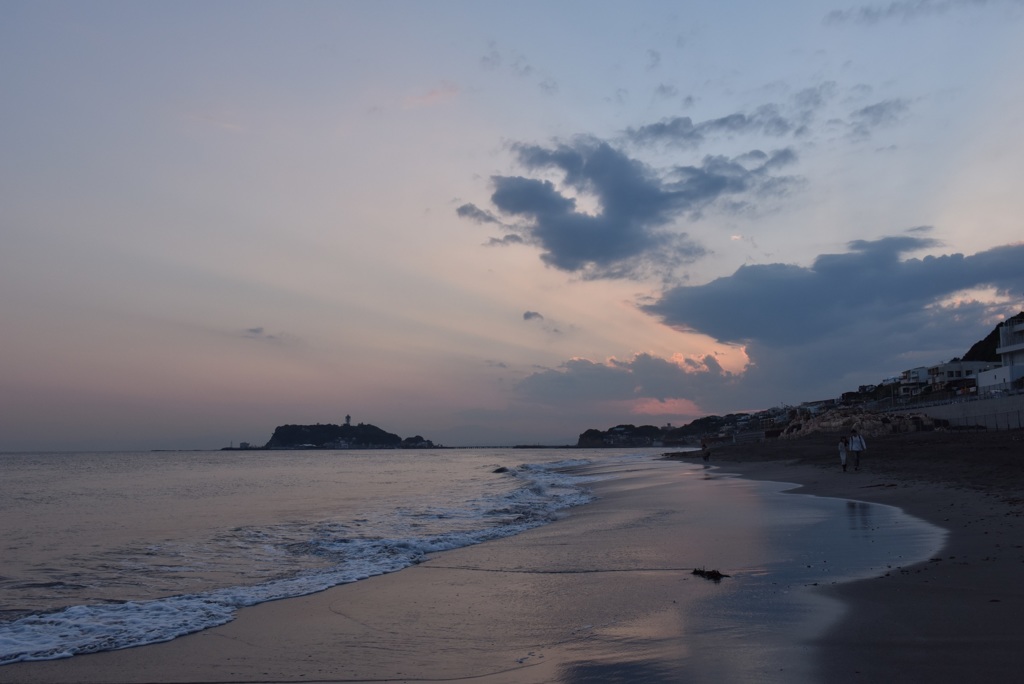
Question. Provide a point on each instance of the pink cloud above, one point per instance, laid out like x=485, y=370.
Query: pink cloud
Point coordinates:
x=648, y=406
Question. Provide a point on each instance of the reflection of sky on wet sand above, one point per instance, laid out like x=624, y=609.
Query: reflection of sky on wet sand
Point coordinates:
x=757, y=624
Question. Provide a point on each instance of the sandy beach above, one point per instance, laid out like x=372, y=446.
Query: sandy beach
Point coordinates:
x=955, y=618
x=607, y=594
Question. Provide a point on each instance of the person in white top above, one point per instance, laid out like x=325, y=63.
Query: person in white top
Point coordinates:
x=857, y=445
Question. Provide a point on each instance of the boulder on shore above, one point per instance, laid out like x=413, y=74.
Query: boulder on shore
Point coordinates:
x=866, y=423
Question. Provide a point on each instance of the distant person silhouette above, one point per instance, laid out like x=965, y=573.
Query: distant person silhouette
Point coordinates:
x=857, y=446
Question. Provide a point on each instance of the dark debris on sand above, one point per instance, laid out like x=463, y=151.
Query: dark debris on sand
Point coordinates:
x=713, y=575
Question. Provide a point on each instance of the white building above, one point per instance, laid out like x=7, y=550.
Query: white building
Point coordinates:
x=957, y=371
x=1011, y=350
x=912, y=380
x=1011, y=341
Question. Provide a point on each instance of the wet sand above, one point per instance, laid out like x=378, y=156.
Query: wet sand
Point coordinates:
x=958, y=617
x=606, y=594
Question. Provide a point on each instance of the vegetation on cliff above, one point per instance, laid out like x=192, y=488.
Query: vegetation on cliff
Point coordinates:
x=329, y=436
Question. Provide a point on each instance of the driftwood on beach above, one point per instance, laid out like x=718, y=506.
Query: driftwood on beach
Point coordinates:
x=713, y=575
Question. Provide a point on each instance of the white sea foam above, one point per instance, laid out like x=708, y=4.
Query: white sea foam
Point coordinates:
x=544, y=490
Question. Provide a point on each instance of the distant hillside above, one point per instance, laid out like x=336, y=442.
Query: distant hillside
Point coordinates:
x=328, y=436
x=985, y=350
x=650, y=435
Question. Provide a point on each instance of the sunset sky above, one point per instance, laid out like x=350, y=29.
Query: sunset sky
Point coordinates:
x=492, y=223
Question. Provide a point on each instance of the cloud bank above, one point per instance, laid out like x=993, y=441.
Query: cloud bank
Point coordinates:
x=807, y=331
x=633, y=233
x=906, y=10
x=779, y=304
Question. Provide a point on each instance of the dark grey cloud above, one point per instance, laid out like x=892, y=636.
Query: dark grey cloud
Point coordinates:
x=906, y=10
x=791, y=118
x=630, y=234
x=794, y=118
x=809, y=332
x=682, y=131
x=536, y=318
x=505, y=241
x=868, y=287
x=474, y=213
x=643, y=377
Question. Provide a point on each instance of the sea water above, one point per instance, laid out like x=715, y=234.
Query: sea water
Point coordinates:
x=103, y=551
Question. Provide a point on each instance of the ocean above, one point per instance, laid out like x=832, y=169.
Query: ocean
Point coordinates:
x=104, y=551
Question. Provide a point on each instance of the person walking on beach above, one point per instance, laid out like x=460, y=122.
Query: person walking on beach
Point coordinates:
x=843, y=443
x=857, y=445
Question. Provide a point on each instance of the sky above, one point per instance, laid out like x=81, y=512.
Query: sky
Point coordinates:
x=492, y=223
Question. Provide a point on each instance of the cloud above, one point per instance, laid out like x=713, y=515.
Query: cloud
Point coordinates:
x=808, y=332
x=665, y=91
x=519, y=65
x=682, y=131
x=791, y=118
x=549, y=86
x=474, y=213
x=492, y=59
x=505, y=241
x=547, y=326
x=630, y=234
x=863, y=121
x=814, y=332
x=260, y=333
x=905, y=10
x=642, y=379
x=775, y=305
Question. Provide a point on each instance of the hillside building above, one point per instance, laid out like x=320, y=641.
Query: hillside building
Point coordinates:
x=958, y=373
x=912, y=381
x=1010, y=375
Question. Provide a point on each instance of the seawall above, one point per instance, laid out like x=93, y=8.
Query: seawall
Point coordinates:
x=1001, y=413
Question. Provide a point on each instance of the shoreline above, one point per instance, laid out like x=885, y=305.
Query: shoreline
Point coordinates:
x=954, y=618
x=605, y=592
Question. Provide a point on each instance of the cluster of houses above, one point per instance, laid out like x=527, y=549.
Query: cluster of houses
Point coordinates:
x=916, y=386
x=978, y=378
